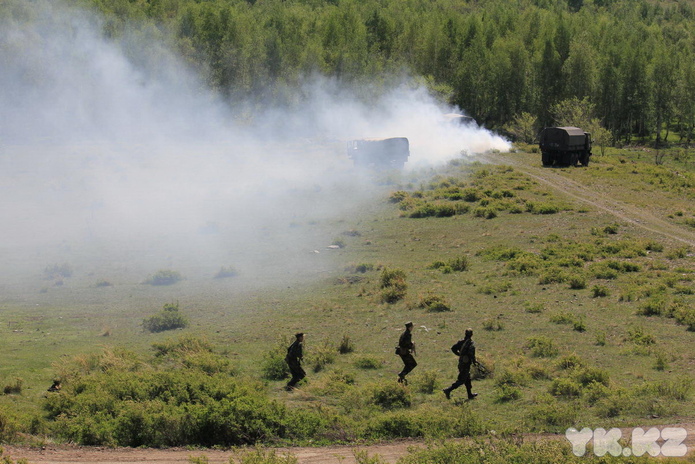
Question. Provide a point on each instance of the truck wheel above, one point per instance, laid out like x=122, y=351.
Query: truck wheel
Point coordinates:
x=585, y=160
x=546, y=159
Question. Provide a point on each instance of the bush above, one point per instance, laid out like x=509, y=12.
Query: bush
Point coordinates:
x=393, y=284
x=391, y=396
x=14, y=387
x=577, y=282
x=599, y=291
x=164, y=277
x=164, y=408
x=494, y=323
x=57, y=271
x=434, y=304
x=168, y=318
x=426, y=382
x=320, y=356
x=547, y=411
x=637, y=335
x=565, y=387
x=570, y=361
x=226, y=272
x=346, y=345
x=274, y=366
x=505, y=393
x=541, y=347
x=534, y=308
x=367, y=362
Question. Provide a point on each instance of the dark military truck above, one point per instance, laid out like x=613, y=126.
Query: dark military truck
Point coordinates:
x=379, y=154
x=565, y=146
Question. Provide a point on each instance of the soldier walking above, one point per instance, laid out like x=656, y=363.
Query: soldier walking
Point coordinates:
x=465, y=350
x=294, y=361
x=406, y=349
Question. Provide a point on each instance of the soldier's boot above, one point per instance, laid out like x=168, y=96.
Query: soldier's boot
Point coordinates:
x=470, y=394
x=447, y=393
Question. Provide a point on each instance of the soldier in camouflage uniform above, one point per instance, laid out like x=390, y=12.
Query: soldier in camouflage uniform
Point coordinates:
x=406, y=349
x=465, y=350
x=294, y=361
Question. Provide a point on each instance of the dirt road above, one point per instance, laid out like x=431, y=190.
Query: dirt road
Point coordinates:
x=390, y=452
x=579, y=192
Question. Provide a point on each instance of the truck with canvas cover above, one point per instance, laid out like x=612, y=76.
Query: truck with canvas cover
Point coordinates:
x=565, y=146
x=380, y=154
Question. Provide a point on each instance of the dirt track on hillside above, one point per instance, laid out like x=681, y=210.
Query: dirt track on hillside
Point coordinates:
x=620, y=209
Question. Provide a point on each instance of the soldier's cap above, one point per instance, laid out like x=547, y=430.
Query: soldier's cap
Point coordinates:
x=299, y=334
x=408, y=324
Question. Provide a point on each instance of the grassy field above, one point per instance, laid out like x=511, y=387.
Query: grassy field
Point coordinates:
x=584, y=319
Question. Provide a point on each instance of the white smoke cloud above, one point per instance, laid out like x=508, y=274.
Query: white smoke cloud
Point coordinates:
x=123, y=153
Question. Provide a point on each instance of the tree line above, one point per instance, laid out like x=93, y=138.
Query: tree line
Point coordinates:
x=632, y=62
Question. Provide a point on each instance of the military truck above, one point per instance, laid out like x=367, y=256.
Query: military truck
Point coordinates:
x=565, y=146
x=379, y=154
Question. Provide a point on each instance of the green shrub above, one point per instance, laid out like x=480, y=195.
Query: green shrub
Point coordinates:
x=599, y=291
x=434, y=303
x=320, y=356
x=512, y=376
x=426, y=382
x=14, y=387
x=570, y=361
x=393, y=284
x=367, y=362
x=346, y=345
x=553, y=275
x=505, y=393
x=577, y=282
x=525, y=263
x=602, y=271
x=391, y=396
x=562, y=318
x=164, y=277
x=274, y=366
x=541, y=347
x=639, y=336
x=500, y=253
x=181, y=345
x=534, y=308
x=398, y=196
x=169, y=318
x=494, y=323
x=548, y=412
x=686, y=316
x=579, y=325
x=587, y=375
x=565, y=387
x=164, y=408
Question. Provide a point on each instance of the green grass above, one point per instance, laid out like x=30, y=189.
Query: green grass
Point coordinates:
x=626, y=290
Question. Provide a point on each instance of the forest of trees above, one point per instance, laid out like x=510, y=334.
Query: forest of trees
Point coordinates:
x=632, y=62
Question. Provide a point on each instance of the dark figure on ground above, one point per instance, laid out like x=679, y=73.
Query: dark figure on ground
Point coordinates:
x=55, y=387
x=465, y=350
x=406, y=349
x=294, y=361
